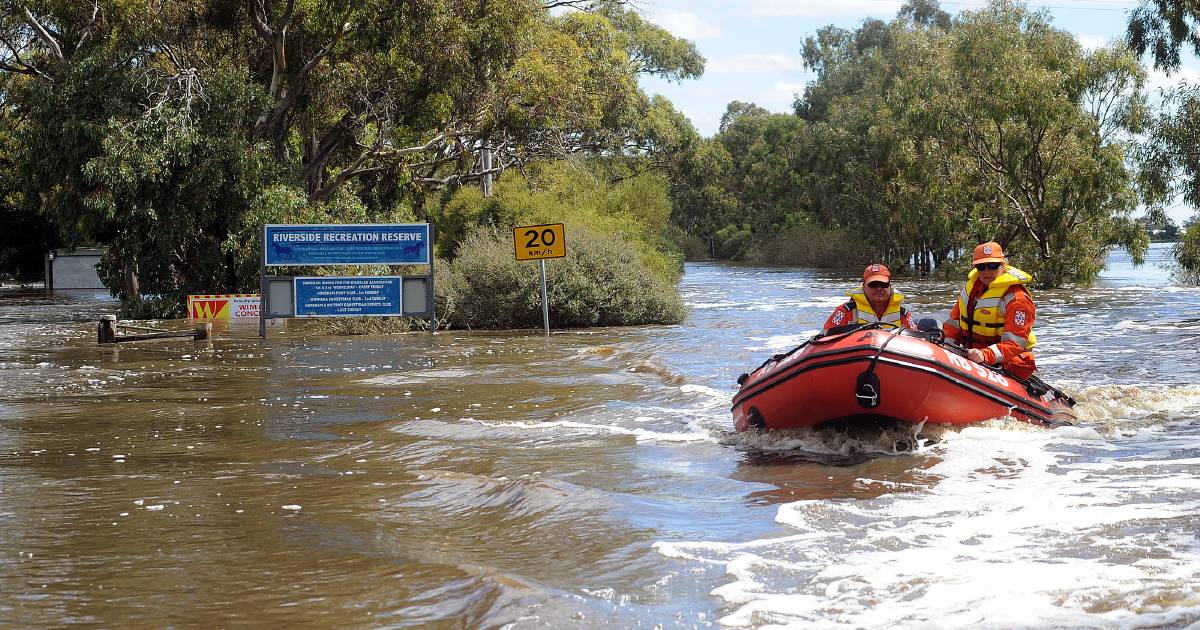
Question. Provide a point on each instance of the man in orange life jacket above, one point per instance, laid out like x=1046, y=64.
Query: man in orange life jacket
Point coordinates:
x=875, y=301
x=993, y=317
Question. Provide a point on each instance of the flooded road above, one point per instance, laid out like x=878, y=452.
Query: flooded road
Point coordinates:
x=497, y=479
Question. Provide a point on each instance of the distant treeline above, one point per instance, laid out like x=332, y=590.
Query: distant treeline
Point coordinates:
x=927, y=134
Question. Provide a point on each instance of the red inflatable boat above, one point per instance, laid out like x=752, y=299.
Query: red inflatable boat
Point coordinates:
x=864, y=374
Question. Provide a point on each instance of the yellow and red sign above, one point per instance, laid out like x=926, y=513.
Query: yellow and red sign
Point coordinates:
x=229, y=306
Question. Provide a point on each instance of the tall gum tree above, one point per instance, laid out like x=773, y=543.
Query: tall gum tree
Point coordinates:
x=1170, y=167
x=1004, y=106
x=165, y=130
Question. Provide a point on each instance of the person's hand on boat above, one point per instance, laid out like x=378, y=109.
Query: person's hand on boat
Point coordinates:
x=976, y=355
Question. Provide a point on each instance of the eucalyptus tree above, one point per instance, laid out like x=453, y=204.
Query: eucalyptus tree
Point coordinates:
x=418, y=89
x=1010, y=105
x=1170, y=169
x=170, y=131
x=72, y=70
x=1171, y=155
x=874, y=176
x=926, y=134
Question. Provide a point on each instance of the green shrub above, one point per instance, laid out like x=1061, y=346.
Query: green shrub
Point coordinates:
x=1187, y=256
x=812, y=246
x=370, y=325
x=696, y=248
x=601, y=282
x=634, y=209
x=151, y=308
x=733, y=242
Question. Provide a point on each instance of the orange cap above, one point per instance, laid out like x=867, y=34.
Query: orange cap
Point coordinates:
x=987, y=252
x=875, y=272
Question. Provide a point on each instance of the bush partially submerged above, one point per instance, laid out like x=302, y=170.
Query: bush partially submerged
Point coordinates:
x=811, y=246
x=603, y=281
x=1187, y=257
x=371, y=325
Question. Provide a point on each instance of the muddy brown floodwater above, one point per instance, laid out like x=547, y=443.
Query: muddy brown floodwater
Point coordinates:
x=591, y=478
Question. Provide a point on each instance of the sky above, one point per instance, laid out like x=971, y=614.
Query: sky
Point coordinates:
x=753, y=46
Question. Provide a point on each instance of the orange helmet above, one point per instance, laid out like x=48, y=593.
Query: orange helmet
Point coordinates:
x=987, y=252
x=875, y=272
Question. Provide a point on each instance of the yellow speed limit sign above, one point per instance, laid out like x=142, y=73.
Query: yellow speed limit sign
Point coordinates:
x=537, y=242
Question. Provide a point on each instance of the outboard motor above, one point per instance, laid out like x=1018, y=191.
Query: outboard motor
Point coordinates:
x=931, y=328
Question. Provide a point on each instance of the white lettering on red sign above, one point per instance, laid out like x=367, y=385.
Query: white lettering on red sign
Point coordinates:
x=982, y=371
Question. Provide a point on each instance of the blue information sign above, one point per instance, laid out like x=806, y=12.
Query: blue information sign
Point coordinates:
x=354, y=296
x=352, y=244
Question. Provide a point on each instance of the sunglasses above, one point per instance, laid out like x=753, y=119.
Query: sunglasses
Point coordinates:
x=879, y=285
x=988, y=266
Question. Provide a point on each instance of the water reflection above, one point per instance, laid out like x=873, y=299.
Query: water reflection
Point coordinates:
x=799, y=476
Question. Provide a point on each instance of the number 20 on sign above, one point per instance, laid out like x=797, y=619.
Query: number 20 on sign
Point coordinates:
x=537, y=242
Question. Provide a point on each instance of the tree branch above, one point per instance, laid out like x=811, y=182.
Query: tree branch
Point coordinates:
x=276, y=37
x=21, y=67
x=312, y=63
x=581, y=5
x=87, y=30
x=51, y=43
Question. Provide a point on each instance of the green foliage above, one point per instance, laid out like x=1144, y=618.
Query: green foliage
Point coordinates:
x=652, y=49
x=733, y=242
x=1040, y=172
x=926, y=135
x=601, y=282
x=171, y=186
x=697, y=171
x=1170, y=162
x=24, y=235
x=152, y=308
x=1187, y=256
x=634, y=210
x=172, y=132
x=814, y=246
x=1164, y=28
x=696, y=248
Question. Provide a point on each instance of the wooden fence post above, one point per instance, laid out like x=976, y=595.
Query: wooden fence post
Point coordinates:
x=106, y=331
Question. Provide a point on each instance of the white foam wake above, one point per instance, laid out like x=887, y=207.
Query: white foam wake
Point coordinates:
x=1020, y=530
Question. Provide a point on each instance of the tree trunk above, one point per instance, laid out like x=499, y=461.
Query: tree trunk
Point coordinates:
x=129, y=281
x=419, y=209
x=314, y=174
x=231, y=276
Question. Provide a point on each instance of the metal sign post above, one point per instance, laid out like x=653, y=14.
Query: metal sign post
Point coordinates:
x=264, y=298
x=545, y=300
x=539, y=242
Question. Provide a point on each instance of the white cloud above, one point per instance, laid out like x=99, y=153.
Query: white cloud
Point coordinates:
x=706, y=122
x=685, y=24
x=1093, y=42
x=1159, y=79
x=780, y=96
x=756, y=62
x=826, y=9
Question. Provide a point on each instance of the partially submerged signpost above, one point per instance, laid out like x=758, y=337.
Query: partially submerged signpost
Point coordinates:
x=539, y=242
x=346, y=296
